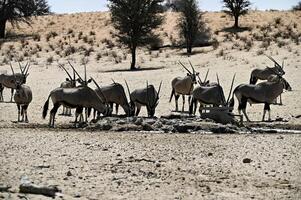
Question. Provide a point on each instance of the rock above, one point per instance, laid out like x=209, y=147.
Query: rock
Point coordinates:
x=147, y=127
x=138, y=122
x=150, y=121
x=127, y=127
x=104, y=125
x=246, y=160
x=158, y=164
x=4, y=188
x=158, y=124
x=222, y=129
x=27, y=187
x=184, y=128
x=69, y=173
x=210, y=154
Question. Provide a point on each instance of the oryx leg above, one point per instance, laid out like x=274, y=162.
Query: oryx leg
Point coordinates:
x=183, y=97
x=19, y=112
x=200, y=108
x=116, y=107
x=176, y=99
x=1, y=92
x=242, y=106
x=195, y=106
x=25, y=113
x=138, y=108
x=189, y=100
x=12, y=94
x=53, y=113
x=280, y=99
x=266, y=108
x=22, y=113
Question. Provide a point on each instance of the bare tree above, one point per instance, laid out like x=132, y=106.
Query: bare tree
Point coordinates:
x=135, y=21
x=16, y=11
x=236, y=8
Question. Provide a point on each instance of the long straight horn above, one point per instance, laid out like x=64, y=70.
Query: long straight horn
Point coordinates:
x=159, y=91
x=217, y=78
x=283, y=65
x=11, y=67
x=76, y=72
x=103, y=96
x=206, y=76
x=272, y=59
x=185, y=67
x=147, y=96
x=231, y=88
x=113, y=80
x=200, y=80
x=27, y=69
x=85, y=73
x=62, y=67
x=191, y=67
x=22, y=71
x=126, y=83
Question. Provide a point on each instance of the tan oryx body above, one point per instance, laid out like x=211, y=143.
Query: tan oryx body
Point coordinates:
x=9, y=80
x=264, y=74
x=81, y=97
x=115, y=94
x=147, y=97
x=70, y=82
x=207, y=95
x=262, y=93
x=183, y=86
x=23, y=97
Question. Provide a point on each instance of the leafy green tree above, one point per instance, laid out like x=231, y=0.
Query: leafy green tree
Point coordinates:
x=236, y=8
x=16, y=11
x=135, y=21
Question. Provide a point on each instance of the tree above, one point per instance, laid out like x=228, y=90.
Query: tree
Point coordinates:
x=16, y=11
x=190, y=22
x=135, y=21
x=297, y=7
x=236, y=8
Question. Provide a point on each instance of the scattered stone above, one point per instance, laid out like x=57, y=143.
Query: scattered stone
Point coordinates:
x=69, y=173
x=77, y=195
x=222, y=129
x=104, y=125
x=4, y=188
x=210, y=154
x=27, y=187
x=158, y=164
x=246, y=160
x=138, y=122
x=147, y=127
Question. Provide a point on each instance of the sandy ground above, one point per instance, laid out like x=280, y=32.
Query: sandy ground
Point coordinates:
x=152, y=166
x=107, y=165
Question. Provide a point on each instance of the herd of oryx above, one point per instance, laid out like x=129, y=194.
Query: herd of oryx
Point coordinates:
x=75, y=93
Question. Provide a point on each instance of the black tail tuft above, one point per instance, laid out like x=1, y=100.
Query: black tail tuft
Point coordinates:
x=45, y=108
x=172, y=94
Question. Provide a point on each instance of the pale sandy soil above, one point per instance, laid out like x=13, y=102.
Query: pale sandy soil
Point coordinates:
x=185, y=171
x=152, y=166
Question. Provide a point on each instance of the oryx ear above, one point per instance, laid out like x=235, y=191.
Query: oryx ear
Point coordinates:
x=67, y=79
x=89, y=81
x=207, y=82
x=197, y=73
x=188, y=74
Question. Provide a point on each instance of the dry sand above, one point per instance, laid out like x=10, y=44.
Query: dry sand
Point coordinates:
x=107, y=165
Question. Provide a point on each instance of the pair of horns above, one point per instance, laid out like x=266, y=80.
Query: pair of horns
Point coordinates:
x=62, y=67
x=200, y=80
x=24, y=71
x=158, y=93
x=128, y=88
x=193, y=70
x=84, y=81
x=103, y=96
x=276, y=63
x=231, y=88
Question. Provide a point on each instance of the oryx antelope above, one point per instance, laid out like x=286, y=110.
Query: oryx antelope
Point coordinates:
x=22, y=97
x=79, y=97
x=209, y=95
x=262, y=93
x=1, y=92
x=8, y=81
x=70, y=82
x=264, y=74
x=115, y=94
x=183, y=86
x=148, y=97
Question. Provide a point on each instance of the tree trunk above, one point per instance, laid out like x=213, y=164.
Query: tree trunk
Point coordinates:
x=188, y=46
x=236, y=22
x=2, y=29
x=133, y=63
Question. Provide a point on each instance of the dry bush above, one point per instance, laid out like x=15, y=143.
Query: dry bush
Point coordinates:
x=260, y=52
x=98, y=56
x=49, y=60
x=69, y=51
x=36, y=37
x=51, y=34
